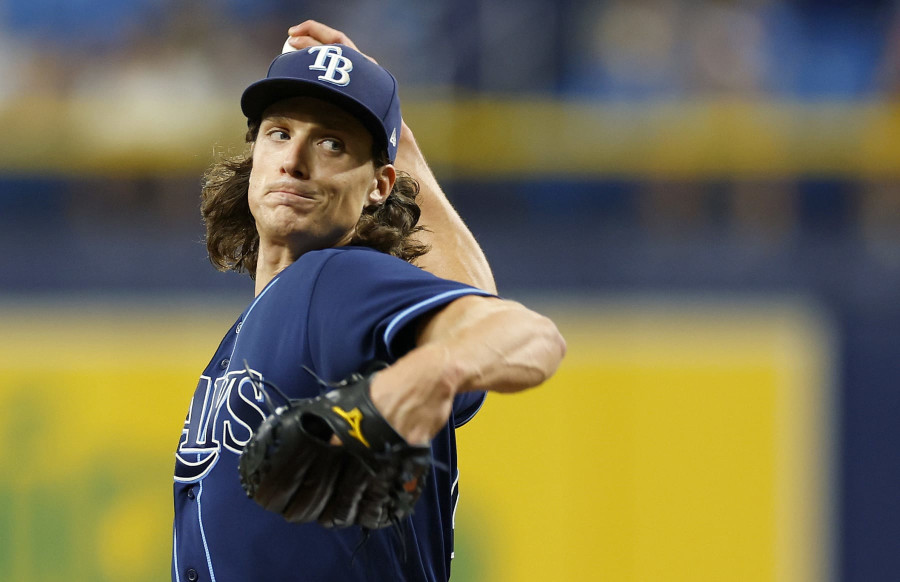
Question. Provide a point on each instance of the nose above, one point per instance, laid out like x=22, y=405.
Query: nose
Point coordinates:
x=296, y=159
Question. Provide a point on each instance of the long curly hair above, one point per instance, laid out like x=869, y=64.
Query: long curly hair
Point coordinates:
x=232, y=240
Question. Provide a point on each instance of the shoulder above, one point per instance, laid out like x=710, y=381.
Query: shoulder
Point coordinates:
x=364, y=256
x=350, y=275
x=360, y=262
x=310, y=264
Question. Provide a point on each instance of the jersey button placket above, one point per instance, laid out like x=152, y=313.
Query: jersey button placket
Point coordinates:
x=191, y=575
x=190, y=493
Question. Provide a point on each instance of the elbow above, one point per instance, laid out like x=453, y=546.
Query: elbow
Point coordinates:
x=554, y=347
x=560, y=344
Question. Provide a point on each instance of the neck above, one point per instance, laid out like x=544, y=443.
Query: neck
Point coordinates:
x=275, y=257
x=271, y=261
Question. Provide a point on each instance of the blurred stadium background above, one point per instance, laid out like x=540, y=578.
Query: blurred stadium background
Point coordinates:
x=705, y=194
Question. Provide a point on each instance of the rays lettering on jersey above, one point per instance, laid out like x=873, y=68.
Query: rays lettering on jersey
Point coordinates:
x=223, y=413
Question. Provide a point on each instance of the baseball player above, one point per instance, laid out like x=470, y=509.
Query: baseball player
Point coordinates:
x=321, y=217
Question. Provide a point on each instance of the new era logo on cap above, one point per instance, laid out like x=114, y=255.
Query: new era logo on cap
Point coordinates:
x=340, y=75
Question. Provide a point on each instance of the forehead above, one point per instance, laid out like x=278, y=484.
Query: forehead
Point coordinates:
x=318, y=111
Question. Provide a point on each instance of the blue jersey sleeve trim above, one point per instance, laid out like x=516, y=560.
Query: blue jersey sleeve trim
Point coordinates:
x=424, y=306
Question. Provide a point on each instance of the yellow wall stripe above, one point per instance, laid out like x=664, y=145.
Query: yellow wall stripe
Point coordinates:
x=493, y=138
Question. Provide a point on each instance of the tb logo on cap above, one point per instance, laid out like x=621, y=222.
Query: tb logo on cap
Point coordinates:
x=337, y=70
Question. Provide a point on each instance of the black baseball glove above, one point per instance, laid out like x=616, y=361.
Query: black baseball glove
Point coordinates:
x=373, y=479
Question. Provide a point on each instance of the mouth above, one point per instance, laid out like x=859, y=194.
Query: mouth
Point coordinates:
x=288, y=194
x=291, y=192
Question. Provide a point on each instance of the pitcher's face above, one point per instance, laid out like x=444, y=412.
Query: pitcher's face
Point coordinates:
x=312, y=175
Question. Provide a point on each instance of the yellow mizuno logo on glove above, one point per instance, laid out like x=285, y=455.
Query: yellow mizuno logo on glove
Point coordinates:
x=353, y=418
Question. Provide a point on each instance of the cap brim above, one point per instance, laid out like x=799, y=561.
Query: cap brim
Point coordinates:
x=263, y=94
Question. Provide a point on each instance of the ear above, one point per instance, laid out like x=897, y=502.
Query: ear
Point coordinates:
x=382, y=184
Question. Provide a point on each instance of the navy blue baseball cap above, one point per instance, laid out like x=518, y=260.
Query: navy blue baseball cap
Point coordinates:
x=337, y=74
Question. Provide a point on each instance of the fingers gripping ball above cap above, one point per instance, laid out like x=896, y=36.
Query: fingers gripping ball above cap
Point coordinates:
x=338, y=74
x=372, y=480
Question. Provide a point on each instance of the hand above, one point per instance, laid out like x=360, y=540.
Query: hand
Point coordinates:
x=415, y=394
x=313, y=33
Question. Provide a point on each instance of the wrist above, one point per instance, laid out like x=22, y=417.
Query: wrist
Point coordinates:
x=415, y=394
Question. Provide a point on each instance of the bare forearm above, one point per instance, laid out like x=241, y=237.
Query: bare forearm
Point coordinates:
x=503, y=350
x=475, y=343
x=454, y=254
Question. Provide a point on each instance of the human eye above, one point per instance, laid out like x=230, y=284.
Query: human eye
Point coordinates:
x=275, y=131
x=278, y=134
x=332, y=144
